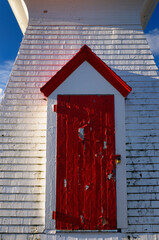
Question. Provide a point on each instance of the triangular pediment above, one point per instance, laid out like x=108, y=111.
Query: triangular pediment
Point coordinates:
x=85, y=54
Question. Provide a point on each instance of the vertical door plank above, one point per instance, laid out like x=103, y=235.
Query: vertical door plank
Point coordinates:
x=61, y=164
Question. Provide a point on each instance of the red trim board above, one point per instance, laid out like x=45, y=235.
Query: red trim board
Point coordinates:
x=86, y=54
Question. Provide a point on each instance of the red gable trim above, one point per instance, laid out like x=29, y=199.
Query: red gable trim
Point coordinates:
x=85, y=54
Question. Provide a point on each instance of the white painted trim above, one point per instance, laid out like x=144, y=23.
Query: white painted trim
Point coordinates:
x=86, y=80
x=36, y=9
x=147, y=11
x=21, y=13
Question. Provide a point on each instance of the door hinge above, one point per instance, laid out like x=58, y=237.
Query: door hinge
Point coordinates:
x=55, y=108
x=54, y=215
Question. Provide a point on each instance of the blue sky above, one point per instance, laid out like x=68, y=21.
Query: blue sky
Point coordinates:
x=10, y=40
x=11, y=37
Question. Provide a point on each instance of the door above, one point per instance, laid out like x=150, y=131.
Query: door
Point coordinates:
x=86, y=169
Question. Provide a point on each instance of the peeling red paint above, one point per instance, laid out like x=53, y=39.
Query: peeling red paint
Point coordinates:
x=86, y=181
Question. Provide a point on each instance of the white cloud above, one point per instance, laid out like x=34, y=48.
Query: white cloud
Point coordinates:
x=5, y=70
x=153, y=40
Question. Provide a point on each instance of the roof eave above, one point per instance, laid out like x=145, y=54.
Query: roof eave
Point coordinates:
x=20, y=12
x=147, y=11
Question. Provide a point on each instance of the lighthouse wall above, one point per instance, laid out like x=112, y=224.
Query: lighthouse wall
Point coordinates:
x=47, y=45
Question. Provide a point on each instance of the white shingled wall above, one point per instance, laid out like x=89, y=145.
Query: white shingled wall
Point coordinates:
x=44, y=50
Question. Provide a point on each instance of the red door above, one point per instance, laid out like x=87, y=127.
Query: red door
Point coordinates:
x=86, y=179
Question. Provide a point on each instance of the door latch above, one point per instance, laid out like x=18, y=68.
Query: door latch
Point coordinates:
x=117, y=158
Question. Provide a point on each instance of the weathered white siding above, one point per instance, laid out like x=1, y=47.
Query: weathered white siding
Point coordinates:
x=44, y=50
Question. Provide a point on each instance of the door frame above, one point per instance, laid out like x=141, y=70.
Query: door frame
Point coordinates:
x=85, y=80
